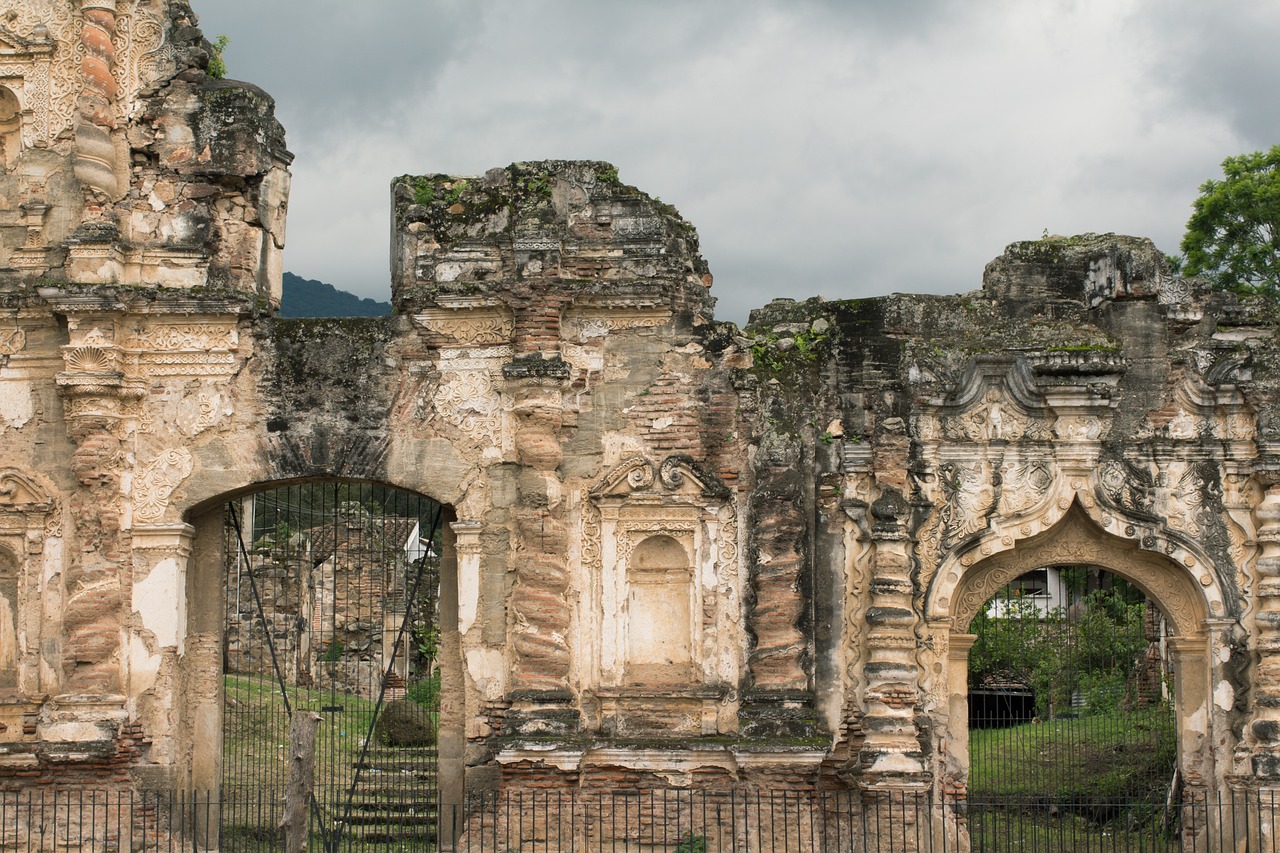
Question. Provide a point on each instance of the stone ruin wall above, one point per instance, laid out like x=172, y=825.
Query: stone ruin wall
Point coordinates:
x=819, y=501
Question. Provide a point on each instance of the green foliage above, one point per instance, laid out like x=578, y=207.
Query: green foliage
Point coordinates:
x=808, y=347
x=217, y=65
x=426, y=639
x=1093, y=652
x=426, y=692
x=454, y=193
x=1233, y=235
x=424, y=191
x=691, y=843
x=609, y=175
x=539, y=185
x=333, y=653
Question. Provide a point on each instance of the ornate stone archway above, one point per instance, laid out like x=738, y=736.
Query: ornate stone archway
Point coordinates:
x=1186, y=598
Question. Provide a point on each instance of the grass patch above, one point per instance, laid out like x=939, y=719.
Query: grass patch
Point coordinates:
x=1097, y=759
x=1006, y=830
x=256, y=733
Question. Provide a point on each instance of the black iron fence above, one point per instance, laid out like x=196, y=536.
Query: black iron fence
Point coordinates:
x=676, y=821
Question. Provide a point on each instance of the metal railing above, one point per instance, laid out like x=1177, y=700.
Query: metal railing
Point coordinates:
x=630, y=821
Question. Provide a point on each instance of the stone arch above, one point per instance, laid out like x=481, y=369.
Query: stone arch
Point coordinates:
x=10, y=127
x=1075, y=539
x=201, y=704
x=1073, y=526
x=1186, y=590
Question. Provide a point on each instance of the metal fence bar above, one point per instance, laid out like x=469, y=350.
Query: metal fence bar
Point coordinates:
x=101, y=820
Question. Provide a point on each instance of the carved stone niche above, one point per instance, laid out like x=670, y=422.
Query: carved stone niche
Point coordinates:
x=661, y=594
x=28, y=515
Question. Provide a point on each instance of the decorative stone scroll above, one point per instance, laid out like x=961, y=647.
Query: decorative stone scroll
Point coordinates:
x=155, y=483
x=474, y=327
x=205, y=349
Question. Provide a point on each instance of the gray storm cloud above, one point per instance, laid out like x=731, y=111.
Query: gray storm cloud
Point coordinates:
x=841, y=149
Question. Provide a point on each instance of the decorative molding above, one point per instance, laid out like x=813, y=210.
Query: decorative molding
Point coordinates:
x=678, y=473
x=155, y=483
x=482, y=326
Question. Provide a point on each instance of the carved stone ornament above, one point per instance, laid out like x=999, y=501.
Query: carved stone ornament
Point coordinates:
x=38, y=64
x=469, y=327
x=20, y=492
x=156, y=481
x=27, y=504
x=469, y=401
x=185, y=349
x=1025, y=485
x=1126, y=487
x=1076, y=540
x=12, y=341
x=968, y=497
x=677, y=473
x=995, y=399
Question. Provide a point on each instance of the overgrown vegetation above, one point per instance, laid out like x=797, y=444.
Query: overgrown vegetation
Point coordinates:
x=218, y=65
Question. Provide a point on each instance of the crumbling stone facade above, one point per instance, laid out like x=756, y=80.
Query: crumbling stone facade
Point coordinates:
x=680, y=553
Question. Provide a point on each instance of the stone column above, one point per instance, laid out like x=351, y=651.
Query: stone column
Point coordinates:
x=1263, y=731
x=779, y=701
x=541, y=698
x=1264, y=728
x=97, y=402
x=892, y=771
x=458, y=554
x=202, y=698
x=95, y=163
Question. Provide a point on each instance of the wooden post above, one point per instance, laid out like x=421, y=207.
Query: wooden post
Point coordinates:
x=302, y=779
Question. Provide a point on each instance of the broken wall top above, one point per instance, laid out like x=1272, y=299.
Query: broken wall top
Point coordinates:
x=543, y=230
x=126, y=164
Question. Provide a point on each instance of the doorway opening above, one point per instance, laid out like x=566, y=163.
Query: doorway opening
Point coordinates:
x=1072, y=720
x=332, y=608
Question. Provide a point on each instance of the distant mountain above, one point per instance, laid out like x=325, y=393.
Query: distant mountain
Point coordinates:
x=303, y=297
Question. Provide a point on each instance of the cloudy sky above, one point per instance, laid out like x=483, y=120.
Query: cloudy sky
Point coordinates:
x=846, y=148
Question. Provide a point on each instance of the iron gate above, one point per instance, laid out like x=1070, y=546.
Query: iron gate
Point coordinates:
x=332, y=607
x=1072, y=734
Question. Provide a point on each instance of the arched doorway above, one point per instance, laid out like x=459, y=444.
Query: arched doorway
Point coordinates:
x=330, y=599
x=1072, y=730
x=1180, y=583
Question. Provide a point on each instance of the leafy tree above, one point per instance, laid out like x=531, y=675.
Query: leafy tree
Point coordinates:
x=1233, y=235
x=1092, y=652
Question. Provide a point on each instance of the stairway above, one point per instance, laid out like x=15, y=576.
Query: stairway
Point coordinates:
x=396, y=797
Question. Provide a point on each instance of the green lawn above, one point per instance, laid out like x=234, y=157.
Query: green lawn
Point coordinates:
x=1119, y=755
x=1009, y=830
x=256, y=732
x=255, y=763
